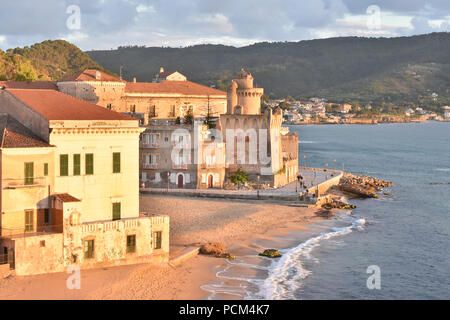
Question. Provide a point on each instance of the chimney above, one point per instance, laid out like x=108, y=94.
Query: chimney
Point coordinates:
x=161, y=70
x=134, y=80
x=97, y=75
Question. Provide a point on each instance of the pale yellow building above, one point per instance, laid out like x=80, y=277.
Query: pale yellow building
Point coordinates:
x=70, y=185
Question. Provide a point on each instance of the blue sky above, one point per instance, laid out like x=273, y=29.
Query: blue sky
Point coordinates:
x=106, y=24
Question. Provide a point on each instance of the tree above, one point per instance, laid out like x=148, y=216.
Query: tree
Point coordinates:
x=189, y=117
x=240, y=177
x=208, y=111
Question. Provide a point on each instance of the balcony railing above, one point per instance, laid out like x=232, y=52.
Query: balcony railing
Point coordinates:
x=24, y=183
x=180, y=166
x=150, y=145
x=150, y=166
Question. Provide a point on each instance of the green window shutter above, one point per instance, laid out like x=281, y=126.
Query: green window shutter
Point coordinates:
x=116, y=211
x=45, y=169
x=89, y=163
x=89, y=249
x=29, y=221
x=157, y=238
x=116, y=162
x=29, y=173
x=64, y=165
x=76, y=164
x=131, y=243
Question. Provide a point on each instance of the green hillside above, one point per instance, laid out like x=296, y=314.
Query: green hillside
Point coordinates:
x=48, y=60
x=343, y=69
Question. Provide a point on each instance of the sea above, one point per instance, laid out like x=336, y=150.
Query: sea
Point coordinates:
x=393, y=247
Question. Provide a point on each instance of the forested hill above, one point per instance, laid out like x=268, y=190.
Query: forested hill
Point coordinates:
x=48, y=60
x=344, y=69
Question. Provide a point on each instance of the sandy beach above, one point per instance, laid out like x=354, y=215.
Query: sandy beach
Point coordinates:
x=234, y=223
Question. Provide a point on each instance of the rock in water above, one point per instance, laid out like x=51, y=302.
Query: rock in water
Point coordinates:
x=270, y=253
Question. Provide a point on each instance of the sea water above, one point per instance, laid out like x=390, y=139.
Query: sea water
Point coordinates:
x=404, y=234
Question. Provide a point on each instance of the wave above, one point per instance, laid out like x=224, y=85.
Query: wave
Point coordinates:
x=306, y=142
x=442, y=169
x=284, y=277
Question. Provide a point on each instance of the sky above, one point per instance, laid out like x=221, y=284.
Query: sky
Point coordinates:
x=107, y=24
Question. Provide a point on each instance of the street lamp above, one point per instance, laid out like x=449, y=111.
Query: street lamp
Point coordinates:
x=259, y=185
x=168, y=174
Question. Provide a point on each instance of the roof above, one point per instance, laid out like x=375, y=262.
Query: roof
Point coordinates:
x=55, y=105
x=44, y=85
x=90, y=75
x=65, y=197
x=164, y=74
x=13, y=134
x=180, y=87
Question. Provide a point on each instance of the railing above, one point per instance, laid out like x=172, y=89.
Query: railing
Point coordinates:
x=36, y=231
x=150, y=145
x=24, y=183
x=180, y=166
x=150, y=166
x=122, y=224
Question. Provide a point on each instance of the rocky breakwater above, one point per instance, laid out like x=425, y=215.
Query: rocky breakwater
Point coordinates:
x=362, y=186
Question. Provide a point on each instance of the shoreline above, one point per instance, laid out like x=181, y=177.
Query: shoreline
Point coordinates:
x=365, y=122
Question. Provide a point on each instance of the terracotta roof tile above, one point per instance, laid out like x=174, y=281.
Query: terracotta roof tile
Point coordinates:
x=180, y=87
x=43, y=85
x=55, y=105
x=65, y=197
x=89, y=75
x=14, y=135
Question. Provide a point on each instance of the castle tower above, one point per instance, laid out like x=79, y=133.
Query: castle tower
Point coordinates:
x=243, y=98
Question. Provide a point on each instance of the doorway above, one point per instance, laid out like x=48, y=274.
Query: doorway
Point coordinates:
x=210, y=181
x=180, y=181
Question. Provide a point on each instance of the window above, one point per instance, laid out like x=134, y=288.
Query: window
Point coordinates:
x=42, y=244
x=64, y=165
x=29, y=221
x=131, y=243
x=116, y=211
x=76, y=164
x=45, y=169
x=89, y=249
x=152, y=111
x=46, y=216
x=157, y=238
x=29, y=173
x=133, y=108
x=109, y=106
x=116, y=162
x=89, y=163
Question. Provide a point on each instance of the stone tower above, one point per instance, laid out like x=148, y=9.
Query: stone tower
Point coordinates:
x=243, y=98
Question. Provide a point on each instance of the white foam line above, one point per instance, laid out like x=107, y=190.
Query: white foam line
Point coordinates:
x=285, y=275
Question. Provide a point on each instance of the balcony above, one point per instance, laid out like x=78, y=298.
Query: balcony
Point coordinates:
x=24, y=183
x=150, y=145
x=14, y=233
x=122, y=224
x=180, y=166
x=150, y=166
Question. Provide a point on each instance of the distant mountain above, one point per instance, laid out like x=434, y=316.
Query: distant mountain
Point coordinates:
x=48, y=60
x=343, y=69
